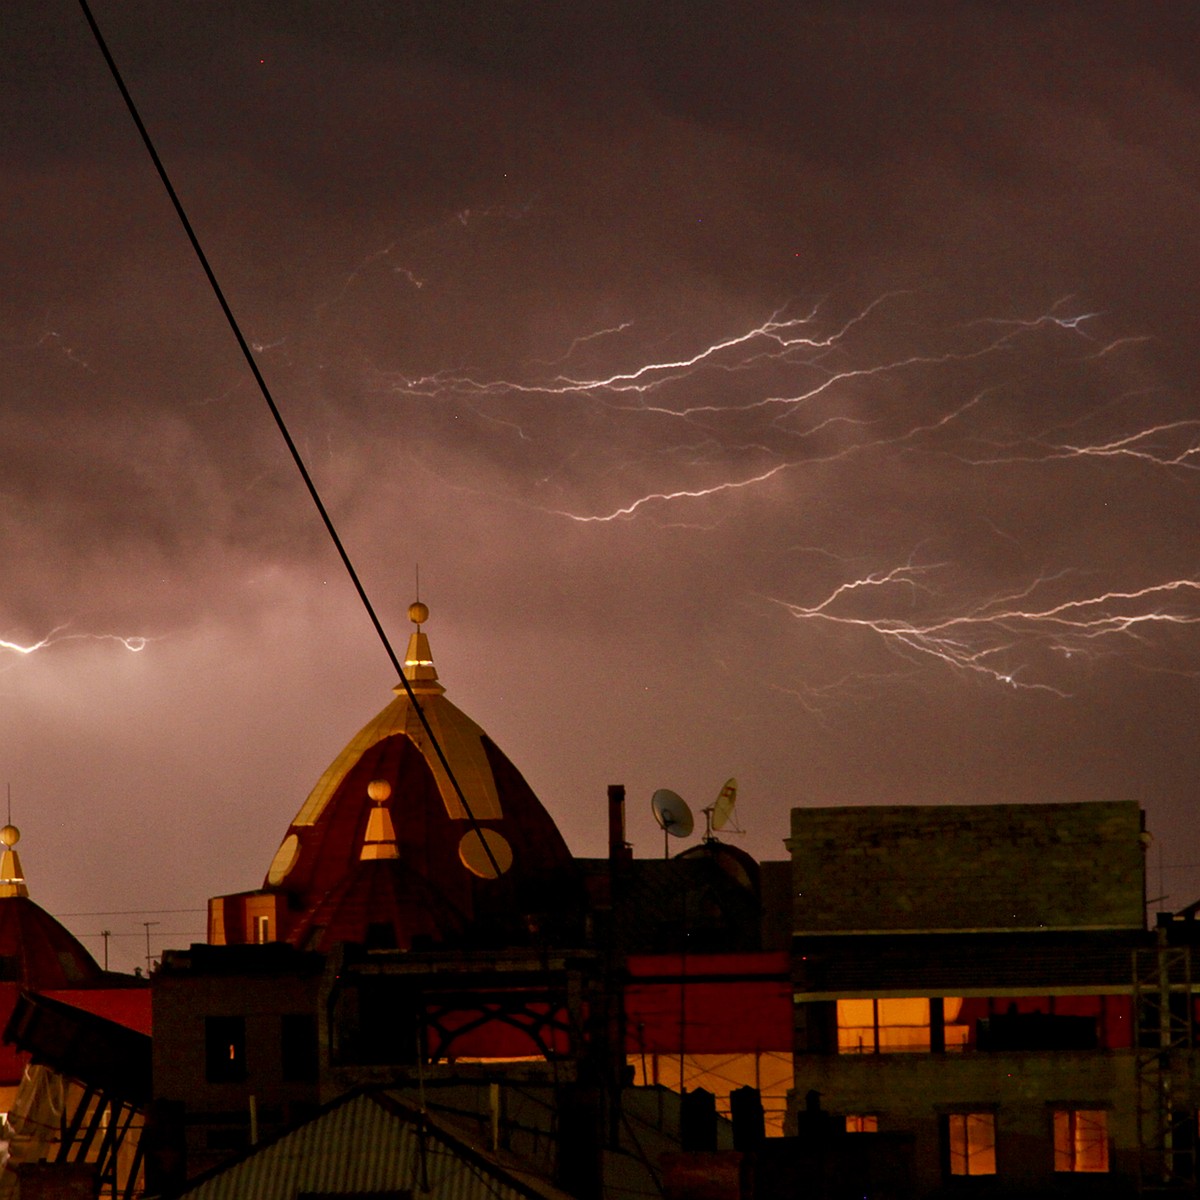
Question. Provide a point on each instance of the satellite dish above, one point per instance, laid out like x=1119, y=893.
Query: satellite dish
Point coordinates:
x=722, y=810
x=672, y=813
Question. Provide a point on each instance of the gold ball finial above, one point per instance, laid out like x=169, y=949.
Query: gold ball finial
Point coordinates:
x=379, y=790
x=10, y=835
x=418, y=613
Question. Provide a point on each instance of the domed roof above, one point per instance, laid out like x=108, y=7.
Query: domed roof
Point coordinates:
x=731, y=861
x=35, y=950
x=413, y=856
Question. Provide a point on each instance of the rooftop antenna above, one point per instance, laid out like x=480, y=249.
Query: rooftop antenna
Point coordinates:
x=720, y=812
x=673, y=816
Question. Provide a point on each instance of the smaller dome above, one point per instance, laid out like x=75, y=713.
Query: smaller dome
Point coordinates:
x=734, y=863
x=37, y=952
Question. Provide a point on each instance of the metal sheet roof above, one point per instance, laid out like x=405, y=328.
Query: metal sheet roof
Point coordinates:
x=371, y=1143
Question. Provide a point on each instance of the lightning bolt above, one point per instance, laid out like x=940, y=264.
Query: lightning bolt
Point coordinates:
x=53, y=340
x=775, y=337
x=1173, y=444
x=135, y=645
x=801, y=427
x=990, y=637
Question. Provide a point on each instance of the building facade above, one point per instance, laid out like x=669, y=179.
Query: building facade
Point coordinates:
x=981, y=978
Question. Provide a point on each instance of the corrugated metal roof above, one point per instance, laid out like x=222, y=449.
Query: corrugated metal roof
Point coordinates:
x=366, y=1143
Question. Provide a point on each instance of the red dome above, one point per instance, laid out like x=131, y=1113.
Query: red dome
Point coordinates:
x=37, y=952
x=337, y=889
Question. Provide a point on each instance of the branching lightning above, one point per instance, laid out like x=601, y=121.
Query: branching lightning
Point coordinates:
x=987, y=638
x=784, y=408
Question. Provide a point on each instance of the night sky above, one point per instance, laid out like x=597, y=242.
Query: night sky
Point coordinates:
x=800, y=392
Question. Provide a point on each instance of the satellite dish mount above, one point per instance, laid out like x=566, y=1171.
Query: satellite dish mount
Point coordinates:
x=720, y=812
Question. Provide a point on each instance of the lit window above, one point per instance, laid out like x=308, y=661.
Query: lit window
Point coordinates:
x=956, y=1033
x=856, y=1026
x=1080, y=1139
x=862, y=1123
x=971, y=1139
x=224, y=1049
x=903, y=1025
x=889, y=1026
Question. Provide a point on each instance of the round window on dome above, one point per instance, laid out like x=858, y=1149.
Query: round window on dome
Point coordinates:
x=485, y=853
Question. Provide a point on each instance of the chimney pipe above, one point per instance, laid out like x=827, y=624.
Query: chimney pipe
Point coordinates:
x=617, y=850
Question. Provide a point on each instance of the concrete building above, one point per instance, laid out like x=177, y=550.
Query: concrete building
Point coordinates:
x=981, y=979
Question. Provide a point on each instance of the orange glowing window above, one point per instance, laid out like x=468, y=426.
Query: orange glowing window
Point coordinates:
x=862, y=1123
x=856, y=1026
x=971, y=1139
x=1080, y=1139
x=893, y=1025
x=224, y=1049
x=956, y=1032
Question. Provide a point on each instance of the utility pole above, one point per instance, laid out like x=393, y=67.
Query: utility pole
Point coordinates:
x=149, y=958
x=106, y=934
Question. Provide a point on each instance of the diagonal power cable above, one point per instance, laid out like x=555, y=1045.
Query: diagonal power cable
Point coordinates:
x=248, y=355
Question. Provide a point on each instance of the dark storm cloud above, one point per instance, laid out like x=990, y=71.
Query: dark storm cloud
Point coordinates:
x=436, y=223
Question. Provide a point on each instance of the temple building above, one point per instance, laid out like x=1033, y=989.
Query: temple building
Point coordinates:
x=420, y=833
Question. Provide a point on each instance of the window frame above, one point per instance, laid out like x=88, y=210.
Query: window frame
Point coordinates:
x=862, y=1122
x=1069, y=1153
x=974, y=1121
x=878, y=1029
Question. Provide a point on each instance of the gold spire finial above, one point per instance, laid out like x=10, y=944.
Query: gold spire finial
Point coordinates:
x=418, y=662
x=12, y=878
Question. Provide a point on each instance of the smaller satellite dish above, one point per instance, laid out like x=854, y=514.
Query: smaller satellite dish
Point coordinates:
x=672, y=813
x=722, y=810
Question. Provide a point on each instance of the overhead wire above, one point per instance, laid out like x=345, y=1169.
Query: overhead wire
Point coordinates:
x=248, y=355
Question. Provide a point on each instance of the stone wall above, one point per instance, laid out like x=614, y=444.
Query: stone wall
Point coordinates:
x=963, y=867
